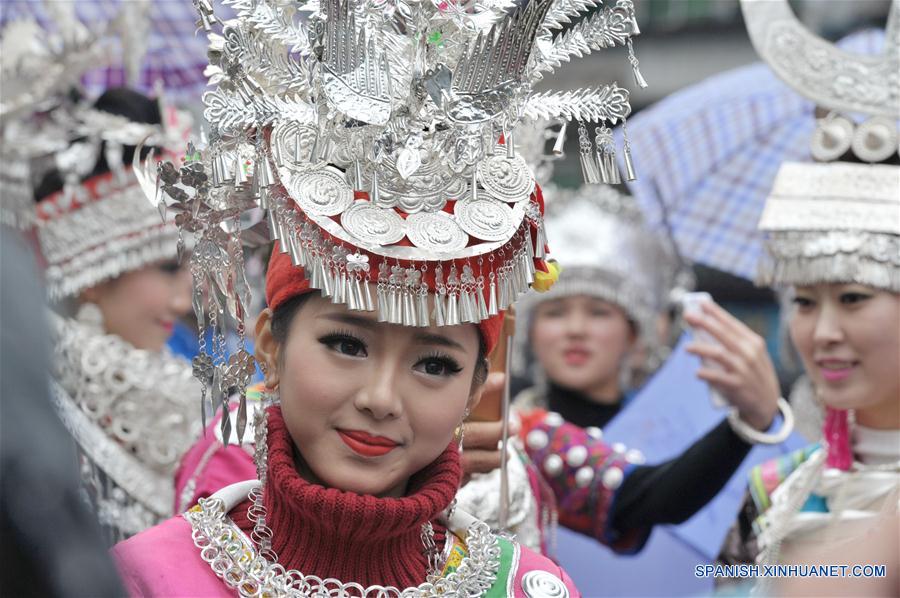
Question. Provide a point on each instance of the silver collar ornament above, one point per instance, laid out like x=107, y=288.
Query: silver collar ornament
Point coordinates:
x=375, y=140
x=834, y=221
x=132, y=414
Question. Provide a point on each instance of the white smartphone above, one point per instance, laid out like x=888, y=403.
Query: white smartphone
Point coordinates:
x=692, y=303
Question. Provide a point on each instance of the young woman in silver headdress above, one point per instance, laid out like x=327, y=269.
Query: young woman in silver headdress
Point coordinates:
x=406, y=227
x=833, y=246
x=834, y=240
x=112, y=261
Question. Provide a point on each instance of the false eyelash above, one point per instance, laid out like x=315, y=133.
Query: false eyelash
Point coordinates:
x=451, y=364
x=342, y=335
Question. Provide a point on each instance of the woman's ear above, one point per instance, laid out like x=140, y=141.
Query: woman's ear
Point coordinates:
x=268, y=349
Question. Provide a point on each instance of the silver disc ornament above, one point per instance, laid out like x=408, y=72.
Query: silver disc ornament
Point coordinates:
x=507, y=179
x=435, y=231
x=485, y=218
x=372, y=224
x=322, y=192
x=292, y=143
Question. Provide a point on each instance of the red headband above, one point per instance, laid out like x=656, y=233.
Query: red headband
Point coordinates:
x=284, y=280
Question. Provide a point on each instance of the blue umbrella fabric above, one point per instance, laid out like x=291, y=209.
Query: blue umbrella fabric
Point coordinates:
x=706, y=158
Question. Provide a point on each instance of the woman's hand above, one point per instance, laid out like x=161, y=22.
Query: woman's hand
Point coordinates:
x=743, y=372
x=481, y=440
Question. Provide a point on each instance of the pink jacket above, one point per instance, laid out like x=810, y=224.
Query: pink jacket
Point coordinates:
x=163, y=561
x=209, y=466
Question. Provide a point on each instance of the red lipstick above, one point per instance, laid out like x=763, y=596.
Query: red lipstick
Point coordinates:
x=365, y=444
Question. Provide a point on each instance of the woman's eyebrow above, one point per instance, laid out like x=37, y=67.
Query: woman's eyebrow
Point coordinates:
x=430, y=338
x=350, y=319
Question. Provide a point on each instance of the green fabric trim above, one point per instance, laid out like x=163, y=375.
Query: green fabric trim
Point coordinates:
x=507, y=555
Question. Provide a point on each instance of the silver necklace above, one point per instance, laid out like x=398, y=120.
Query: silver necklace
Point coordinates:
x=235, y=559
x=237, y=562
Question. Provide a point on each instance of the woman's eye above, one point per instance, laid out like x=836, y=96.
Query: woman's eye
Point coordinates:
x=803, y=302
x=853, y=298
x=345, y=345
x=438, y=366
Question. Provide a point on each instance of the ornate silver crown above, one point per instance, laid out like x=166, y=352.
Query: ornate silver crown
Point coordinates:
x=39, y=66
x=836, y=221
x=376, y=140
x=841, y=83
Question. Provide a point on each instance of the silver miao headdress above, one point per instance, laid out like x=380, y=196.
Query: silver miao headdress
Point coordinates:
x=39, y=66
x=375, y=139
x=92, y=230
x=604, y=250
x=834, y=221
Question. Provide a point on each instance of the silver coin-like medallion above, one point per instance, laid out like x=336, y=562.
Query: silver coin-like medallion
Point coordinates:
x=292, y=143
x=322, y=192
x=371, y=224
x=485, y=218
x=435, y=231
x=508, y=179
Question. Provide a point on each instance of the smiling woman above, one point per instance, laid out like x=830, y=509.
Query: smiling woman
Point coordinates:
x=367, y=403
x=358, y=464
x=840, y=257
x=842, y=334
x=130, y=404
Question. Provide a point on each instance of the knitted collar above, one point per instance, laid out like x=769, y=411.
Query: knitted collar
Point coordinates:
x=332, y=533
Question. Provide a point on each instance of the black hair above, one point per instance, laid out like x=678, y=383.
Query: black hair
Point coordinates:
x=284, y=314
x=120, y=101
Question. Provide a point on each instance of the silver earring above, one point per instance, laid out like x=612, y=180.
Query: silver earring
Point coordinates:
x=90, y=315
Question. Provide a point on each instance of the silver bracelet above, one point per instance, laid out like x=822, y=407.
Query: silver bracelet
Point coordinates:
x=750, y=434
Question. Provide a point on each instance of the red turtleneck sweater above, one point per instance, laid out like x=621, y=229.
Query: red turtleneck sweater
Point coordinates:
x=354, y=538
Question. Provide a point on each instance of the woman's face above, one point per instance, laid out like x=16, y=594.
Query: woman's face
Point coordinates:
x=847, y=336
x=142, y=306
x=368, y=404
x=582, y=342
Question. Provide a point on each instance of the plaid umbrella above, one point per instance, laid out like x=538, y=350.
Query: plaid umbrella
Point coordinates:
x=176, y=55
x=707, y=156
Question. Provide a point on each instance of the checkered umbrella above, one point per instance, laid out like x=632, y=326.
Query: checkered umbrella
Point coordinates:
x=707, y=156
x=176, y=55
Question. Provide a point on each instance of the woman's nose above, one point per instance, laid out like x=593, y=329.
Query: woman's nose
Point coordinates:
x=381, y=397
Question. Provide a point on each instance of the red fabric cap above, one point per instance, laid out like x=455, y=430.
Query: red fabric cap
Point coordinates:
x=284, y=280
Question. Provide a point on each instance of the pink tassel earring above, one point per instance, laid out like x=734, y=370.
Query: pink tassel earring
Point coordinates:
x=836, y=433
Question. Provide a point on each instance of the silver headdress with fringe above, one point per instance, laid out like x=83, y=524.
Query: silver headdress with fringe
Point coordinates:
x=95, y=229
x=834, y=221
x=39, y=67
x=604, y=250
x=375, y=140
x=837, y=222
x=92, y=230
